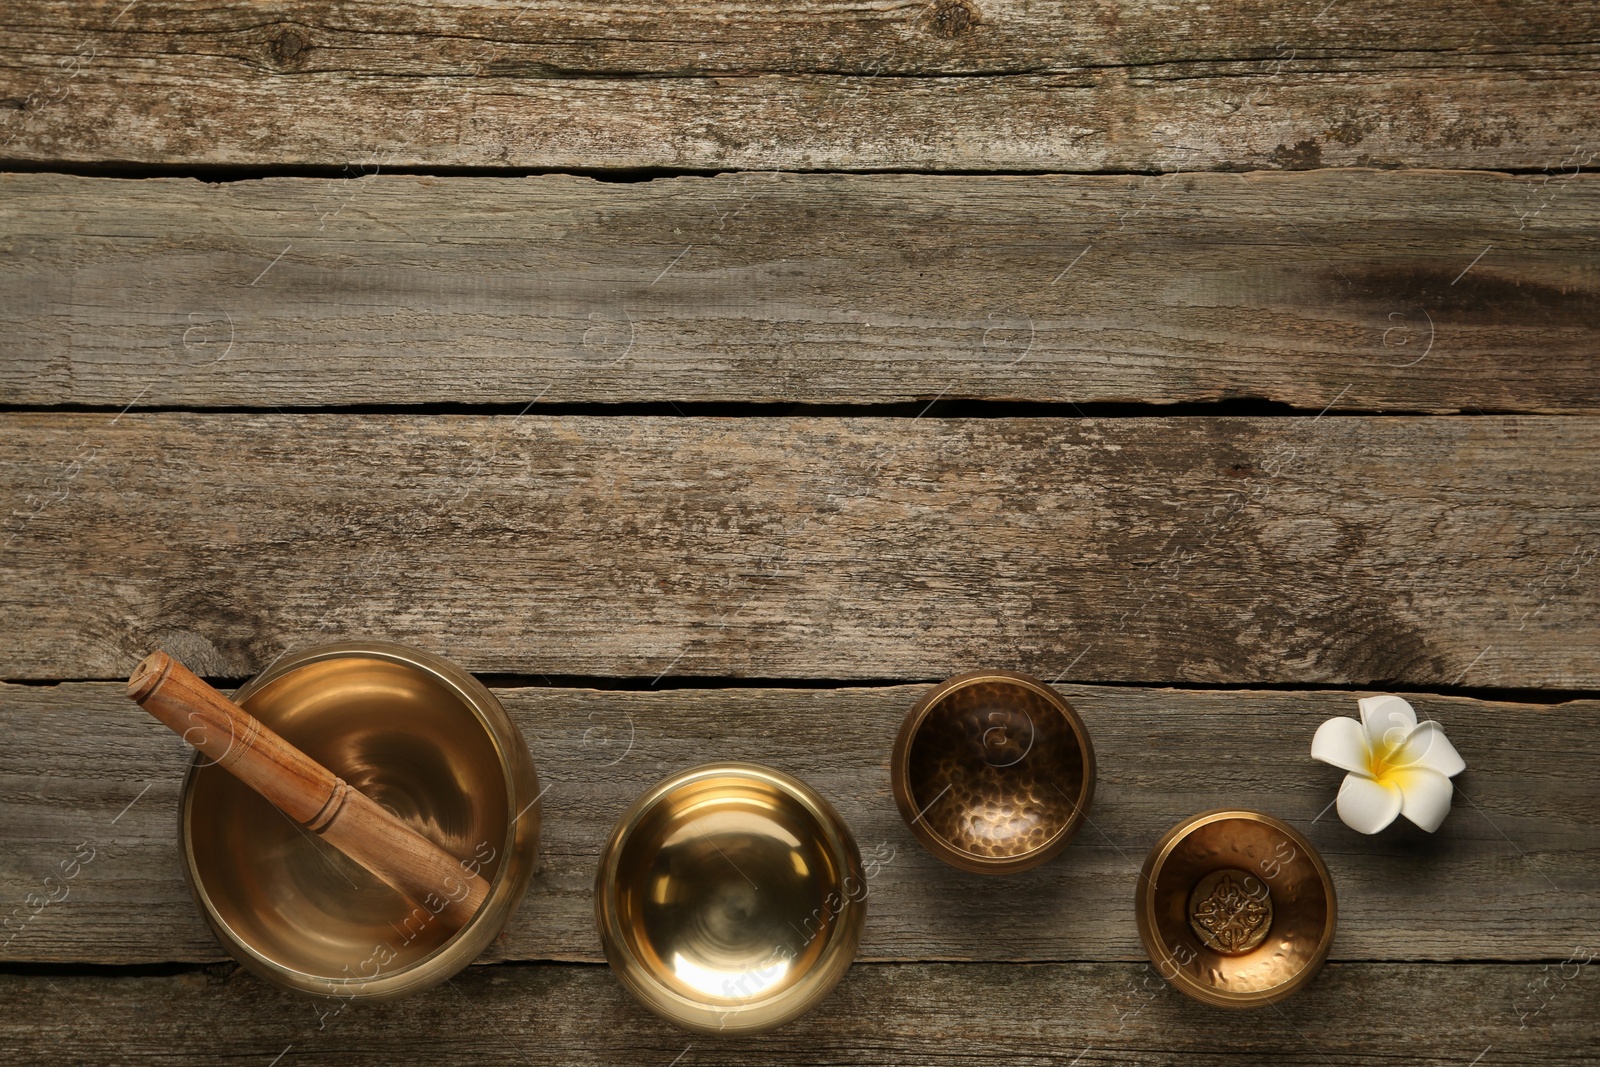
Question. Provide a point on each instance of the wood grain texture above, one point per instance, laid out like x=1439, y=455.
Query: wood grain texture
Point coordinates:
x=532, y=39
x=957, y=84
x=1372, y=1014
x=1360, y=290
x=1421, y=552
x=1512, y=874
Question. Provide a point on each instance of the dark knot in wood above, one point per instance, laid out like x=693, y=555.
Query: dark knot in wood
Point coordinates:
x=952, y=18
x=289, y=47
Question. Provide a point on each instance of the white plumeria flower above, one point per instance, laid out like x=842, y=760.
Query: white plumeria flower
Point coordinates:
x=1397, y=766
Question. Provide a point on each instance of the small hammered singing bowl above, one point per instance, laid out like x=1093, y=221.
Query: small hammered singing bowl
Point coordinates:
x=730, y=898
x=1235, y=908
x=993, y=771
x=419, y=736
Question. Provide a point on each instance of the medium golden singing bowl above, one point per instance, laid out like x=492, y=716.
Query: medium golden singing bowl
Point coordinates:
x=993, y=771
x=420, y=737
x=730, y=898
x=1235, y=908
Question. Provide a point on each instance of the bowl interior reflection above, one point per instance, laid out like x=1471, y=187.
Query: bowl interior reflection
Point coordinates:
x=728, y=890
x=395, y=733
x=996, y=769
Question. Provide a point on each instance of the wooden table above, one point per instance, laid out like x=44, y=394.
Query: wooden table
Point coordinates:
x=712, y=378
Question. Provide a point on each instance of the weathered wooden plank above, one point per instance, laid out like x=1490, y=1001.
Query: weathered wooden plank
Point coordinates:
x=1349, y=289
x=548, y=38
x=1366, y=550
x=1095, y=120
x=1127, y=86
x=1512, y=874
x=1087, y=1014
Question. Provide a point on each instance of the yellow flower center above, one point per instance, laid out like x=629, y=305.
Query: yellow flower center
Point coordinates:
x=1381, y=763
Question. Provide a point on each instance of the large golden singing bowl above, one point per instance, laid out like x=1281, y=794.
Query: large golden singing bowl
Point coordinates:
x=730, y=898
x=1235, y=908
x=420, y=737
x=993, y=771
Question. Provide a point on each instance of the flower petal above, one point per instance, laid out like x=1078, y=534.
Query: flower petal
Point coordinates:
x=1343, y=743
x=1366, y=805
x=1383, y=716
x=1428, y=747
x=1425, y=796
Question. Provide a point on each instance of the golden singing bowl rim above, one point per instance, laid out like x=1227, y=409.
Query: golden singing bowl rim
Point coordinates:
x=506, y=890
x=936, y=843
x=1145, y=905
x=757, y=1014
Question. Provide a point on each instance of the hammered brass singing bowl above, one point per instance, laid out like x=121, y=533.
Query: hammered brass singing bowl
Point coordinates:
x=993, y=771
x=417, y=735
x=730, y=898
x=1235, y=908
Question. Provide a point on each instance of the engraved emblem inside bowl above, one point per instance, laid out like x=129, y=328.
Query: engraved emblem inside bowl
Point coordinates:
x=1235, y=908
x=1231, y=911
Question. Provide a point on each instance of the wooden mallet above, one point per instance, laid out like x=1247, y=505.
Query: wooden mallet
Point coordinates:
x=305, y=790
